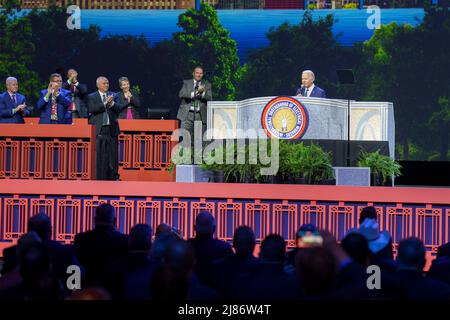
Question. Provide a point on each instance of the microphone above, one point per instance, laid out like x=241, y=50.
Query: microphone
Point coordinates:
x=302, y=90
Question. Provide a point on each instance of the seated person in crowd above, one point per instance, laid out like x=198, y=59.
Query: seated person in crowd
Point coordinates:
x=61, y=256
x=411, y=261
x=99, y=248
x=207, y=248
x=12, y=104
x=307, y=236
x=229, y=271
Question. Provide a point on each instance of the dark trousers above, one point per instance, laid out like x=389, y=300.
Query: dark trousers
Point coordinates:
x=75, y=114
x=107, y=163
x=188, y=124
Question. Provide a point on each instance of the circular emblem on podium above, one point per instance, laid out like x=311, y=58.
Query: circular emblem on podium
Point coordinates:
x=284, y=118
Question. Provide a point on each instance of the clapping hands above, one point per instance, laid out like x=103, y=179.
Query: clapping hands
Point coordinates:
x=109, y=99
x=128, y=96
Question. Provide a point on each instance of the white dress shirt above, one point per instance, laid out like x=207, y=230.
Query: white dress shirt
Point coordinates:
x=199, y=84
x=310, y=89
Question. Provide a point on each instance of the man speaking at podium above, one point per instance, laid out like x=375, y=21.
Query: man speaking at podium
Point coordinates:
x=308, y=89
x=194, y=96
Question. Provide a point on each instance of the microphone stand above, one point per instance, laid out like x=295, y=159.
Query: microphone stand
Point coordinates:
x=346, y=77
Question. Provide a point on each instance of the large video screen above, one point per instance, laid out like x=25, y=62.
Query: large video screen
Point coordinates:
x=398, y=53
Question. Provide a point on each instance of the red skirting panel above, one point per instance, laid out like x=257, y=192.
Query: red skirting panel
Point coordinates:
x=280, y=209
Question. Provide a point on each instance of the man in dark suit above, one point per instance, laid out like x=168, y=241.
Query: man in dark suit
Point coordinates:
x=104, y=107
x=269, y=281
x=139, y=245
x=229, y=272
x=207, y=249
x=194, y=95
x=54, y=103
x=12, y=104
x=78, y=92
x=308, y=88
x=411, y=260
x=98, y=249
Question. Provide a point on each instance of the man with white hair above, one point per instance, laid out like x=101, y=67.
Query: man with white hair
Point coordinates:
x=104, y=108
x=12, y=104
x=308, y=88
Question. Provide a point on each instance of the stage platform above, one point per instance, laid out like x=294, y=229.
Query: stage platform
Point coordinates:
x=267, y=208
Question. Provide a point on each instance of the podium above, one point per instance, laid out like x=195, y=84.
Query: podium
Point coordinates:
x=369, y=121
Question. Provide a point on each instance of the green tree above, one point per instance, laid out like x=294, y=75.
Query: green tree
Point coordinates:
x=392, y=56
x=204, y=41
x=276, y=69
x=16, y=49
x=409, y=66
x=439, y=124
x=57, y=46
x=435, y=29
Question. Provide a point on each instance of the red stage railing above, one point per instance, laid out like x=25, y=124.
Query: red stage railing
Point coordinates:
x=144, y=149
x=281, y=209
x=34, y=151
x=43, y=151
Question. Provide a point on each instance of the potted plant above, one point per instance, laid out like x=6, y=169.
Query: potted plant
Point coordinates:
x=317, y=165
x=179, y=156
x=240, y=172
x=290, y=158
x=295, y=159
x=218, y=170
x=382, y=168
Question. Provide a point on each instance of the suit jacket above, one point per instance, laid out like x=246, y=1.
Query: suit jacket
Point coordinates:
x=229, y=272
x=268, y=281
x=207, y=250
x=440, y=269
x=79, y=97
x=98, y=249
x=62, y=107
x=7, y=105
x=61, y=257
x=96, y=108
x=419, y=287
x=135, y=103
x=316, y=93
x=118, y=273
x=186, y=100
x=10, y=259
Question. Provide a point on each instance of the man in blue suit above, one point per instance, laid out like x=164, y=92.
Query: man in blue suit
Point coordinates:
x=55, y=102
x=12, y=104
x=308, y=88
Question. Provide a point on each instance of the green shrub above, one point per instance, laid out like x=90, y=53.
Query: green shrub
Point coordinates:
x=380, y=166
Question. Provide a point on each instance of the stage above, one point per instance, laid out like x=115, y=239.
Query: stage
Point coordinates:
x=267, y=208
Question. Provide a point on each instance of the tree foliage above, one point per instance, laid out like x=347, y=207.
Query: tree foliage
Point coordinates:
x=16, y=51
x=276, y=69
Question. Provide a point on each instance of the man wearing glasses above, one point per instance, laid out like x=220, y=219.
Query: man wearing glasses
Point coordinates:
x=54, y=103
